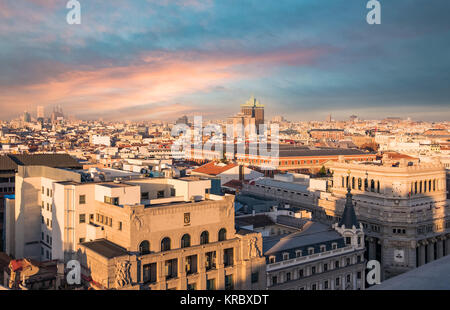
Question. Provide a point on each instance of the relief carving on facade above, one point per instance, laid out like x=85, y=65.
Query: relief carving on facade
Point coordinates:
x=123, y=274
x=254, y=250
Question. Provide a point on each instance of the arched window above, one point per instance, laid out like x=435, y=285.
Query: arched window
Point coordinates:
x=222, y=234
x=165, y=244
x=366, y=184
x=359, y=183
x=425, y=183
x=434, y=185
x=353, y=183
x=144, y=247
x=378, y=186
x=204, y=237
x=420, y=187
x=372, y=185
x=347, y=181
x=415, y=187
x=186, y=241
x=429, y=185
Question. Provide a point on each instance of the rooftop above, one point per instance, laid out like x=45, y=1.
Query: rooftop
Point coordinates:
x=431, y=276
x=105, y=248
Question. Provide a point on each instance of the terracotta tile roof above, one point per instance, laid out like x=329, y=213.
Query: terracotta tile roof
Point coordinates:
x=214, y=168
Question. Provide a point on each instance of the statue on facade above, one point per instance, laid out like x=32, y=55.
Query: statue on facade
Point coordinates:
x=123, y=275
x=254, y=250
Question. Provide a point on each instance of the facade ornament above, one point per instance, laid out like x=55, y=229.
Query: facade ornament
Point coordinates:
x=123, y=275
x=254, y=250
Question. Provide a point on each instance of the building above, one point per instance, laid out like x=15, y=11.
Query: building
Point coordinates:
x=327, y=134
x=249, y=118
x=139, y=234
x=402, y=206
x=226, y=172
x=9, y=167
x=306, y=255
x=101, y=140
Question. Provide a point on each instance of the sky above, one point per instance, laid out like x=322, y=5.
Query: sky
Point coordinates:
x=160, y=59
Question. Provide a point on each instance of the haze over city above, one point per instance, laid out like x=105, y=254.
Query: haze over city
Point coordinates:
x=156, y=59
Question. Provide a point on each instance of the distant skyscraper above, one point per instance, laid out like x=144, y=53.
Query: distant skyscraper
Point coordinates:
x=26, y=117
x=40, y=112
x=329, y=118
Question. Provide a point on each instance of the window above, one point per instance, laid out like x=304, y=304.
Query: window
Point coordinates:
x=144, y=247
x=165, y=244
x=228, y=259
x=325, y=267
x=325, y=285
x=274, y=280
x=81, y=240
x=144, y=196
x=171, y=270
x=48, y=192
x=120, y=226
x=42, y=205
x=204, y=238
x=298, y=253
x=160, y=194
x=285, y=256
x=288, y=276
x=313, y=270
x=337, y=281
x=82, y=199
x=323, y=248
x=336, y=264
x=222, y=234
x=272, y=260
x=310, y=251
x=229, y=282
x=358, y=275
x=82, y=218
x=348, y=278
x=348, y=261
x=300, y=273
x=48, y=206
x=255, y=277
x=314, y=287
x=191, y=264
x=112, y=200
x=172, y=192
x=210, y=260
x=211, y=284
x=334, y=246
x=149, y=271
x=42, y=190
x=348, y=240
x=186, y=241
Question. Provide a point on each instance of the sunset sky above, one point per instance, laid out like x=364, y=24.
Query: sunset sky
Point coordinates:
x=160, y=59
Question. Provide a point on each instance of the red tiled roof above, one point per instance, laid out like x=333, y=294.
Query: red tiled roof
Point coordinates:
x=214, y=168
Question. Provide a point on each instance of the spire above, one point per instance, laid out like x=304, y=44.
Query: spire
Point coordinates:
x=349, y=216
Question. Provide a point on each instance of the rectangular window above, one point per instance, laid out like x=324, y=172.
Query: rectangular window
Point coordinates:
x=82, y=218
x=255, y=277
x=160, y=194
x=149, y=271
x=120, y=226
x=81, y=240
x=228, y=258
x=144, y=196
x=229, y=285
x=48, y=192
x=211, y=284
x=82, y=199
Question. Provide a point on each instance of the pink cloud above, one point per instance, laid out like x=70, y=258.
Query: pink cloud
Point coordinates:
x=159, y=77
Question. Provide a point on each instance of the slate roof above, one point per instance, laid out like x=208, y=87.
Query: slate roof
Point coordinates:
x=259, y=220
x=349, y=216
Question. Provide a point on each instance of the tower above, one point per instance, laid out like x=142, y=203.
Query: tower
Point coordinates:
x=349, y=226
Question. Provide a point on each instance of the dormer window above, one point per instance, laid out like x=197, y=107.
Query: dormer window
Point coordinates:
x=298, y=253
x=285, y=256
x=323, y=248
x=271, y=259
x=334, y=246
x=310, y=251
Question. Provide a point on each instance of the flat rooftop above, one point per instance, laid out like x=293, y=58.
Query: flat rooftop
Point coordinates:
x=105, y=248
x=431, y=276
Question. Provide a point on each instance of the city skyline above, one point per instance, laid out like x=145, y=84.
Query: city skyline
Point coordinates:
x=162, y=59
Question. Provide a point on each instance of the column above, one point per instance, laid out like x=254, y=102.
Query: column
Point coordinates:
x=421, y=255
x=182, y=272
x=440, y=248
x=431, y=251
